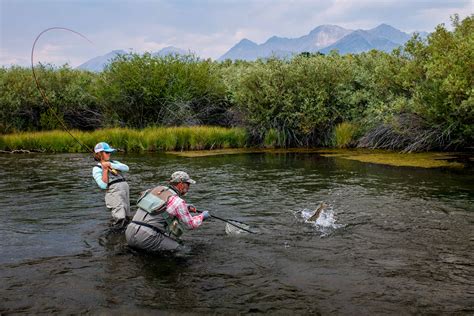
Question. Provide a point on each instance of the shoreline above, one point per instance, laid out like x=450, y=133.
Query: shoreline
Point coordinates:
x=451, y=160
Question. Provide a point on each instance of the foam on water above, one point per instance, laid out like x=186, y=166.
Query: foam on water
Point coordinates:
x=325, y=223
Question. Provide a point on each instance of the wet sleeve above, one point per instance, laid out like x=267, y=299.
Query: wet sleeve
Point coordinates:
x=178, y=208
x=97, y=175
x=119, y=166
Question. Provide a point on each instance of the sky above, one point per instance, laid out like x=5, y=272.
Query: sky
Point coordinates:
x=209, y=28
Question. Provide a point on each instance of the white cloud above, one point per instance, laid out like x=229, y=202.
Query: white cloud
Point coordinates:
x=58, y=54
x=141, y=44
x=443, y=15
x=7, y=59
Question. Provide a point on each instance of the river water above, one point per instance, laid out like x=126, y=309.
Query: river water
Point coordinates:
x=392, y=240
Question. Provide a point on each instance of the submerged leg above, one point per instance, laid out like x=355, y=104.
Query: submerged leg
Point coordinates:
x=145, y=238
x=117, y=200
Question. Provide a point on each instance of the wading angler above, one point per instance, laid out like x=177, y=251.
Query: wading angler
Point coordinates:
x=108, y=175
x=162, y=215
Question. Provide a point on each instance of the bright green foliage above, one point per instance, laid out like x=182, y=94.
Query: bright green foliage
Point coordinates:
x=444, y=96
x=294, y=98
x=344, y=134
x=19, y=99
x=142, y=90
x=130, y=140
x=71, y=94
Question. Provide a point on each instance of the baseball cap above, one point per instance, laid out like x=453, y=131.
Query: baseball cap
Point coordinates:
x=181, y=176
x=103, y=147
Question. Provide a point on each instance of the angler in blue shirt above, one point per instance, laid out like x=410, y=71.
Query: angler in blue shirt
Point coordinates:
x=108, y=174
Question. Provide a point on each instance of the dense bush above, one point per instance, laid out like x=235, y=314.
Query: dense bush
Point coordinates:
x=297, y=99
x=419, y=97
x=71, y=94
x=444, y=96
x=142, y=90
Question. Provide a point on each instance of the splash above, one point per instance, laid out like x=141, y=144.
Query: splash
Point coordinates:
x=326, y=221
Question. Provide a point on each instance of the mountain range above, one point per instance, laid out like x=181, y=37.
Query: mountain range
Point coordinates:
x=323, y=39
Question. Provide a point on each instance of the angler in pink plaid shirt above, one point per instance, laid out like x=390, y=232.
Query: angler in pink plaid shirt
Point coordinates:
x=161, y=215
x=178, y=208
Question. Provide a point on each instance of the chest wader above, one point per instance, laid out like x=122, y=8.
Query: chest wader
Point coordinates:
x=117, y=198
x=155, y=204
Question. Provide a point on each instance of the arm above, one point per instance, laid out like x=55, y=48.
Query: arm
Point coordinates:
x=99, y=176
x=119, y=166
x=178, y=208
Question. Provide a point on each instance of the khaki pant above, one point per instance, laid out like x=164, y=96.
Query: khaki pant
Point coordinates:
x=117, y=199
x=146, y=238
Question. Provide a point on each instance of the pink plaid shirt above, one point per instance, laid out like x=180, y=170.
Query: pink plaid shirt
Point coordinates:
x=177, y=207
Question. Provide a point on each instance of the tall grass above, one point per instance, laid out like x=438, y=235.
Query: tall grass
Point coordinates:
x=130, y=140
x=274, y=139
x=344, y=134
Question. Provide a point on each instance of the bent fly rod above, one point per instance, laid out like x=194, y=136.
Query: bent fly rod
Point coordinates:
x=43, y=94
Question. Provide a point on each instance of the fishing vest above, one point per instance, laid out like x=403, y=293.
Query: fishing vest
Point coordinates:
x=154, y=202
x=114, y=177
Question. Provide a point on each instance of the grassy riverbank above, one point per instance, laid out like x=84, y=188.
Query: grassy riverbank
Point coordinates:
x=129, y=140
x=202, y=141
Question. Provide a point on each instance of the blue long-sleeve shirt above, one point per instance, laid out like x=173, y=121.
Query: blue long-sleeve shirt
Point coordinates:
x=97, y=172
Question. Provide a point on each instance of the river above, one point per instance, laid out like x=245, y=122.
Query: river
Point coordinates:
x=394, y=240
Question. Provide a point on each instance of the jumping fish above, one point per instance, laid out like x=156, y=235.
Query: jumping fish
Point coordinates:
x=318, y=211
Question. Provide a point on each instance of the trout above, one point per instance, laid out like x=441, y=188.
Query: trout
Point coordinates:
x=318, y=211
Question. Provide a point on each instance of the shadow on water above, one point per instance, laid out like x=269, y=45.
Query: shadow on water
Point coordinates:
x=394, y=240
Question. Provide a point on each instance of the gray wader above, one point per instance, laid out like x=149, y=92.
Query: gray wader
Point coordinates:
x=150, y=235
x=117, y=199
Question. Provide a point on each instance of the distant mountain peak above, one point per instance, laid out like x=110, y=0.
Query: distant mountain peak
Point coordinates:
x=98, y=63
x=389, y=32
x=244, y=49
x=325, y=27
x=384, y=25
x=245, y=42
x=274, y=38
x=171, y=50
